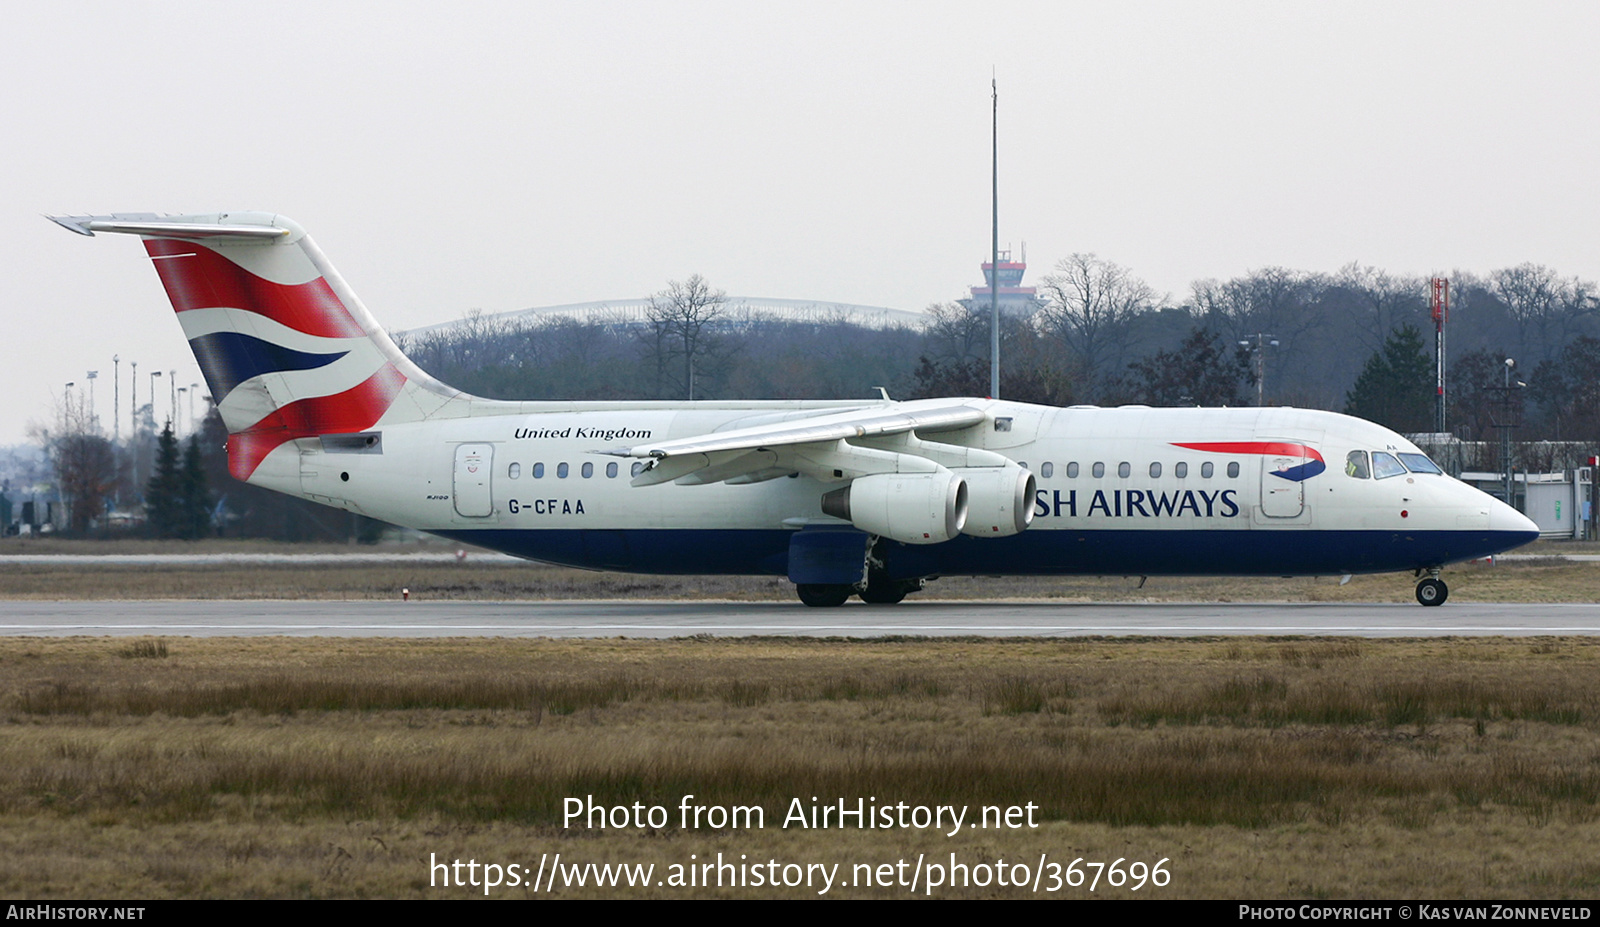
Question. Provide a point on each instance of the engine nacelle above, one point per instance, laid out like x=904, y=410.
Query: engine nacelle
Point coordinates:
x=999, y=500
x=916, y=508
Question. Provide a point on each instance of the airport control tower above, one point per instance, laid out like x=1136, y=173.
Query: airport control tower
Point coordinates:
x=1015, y=299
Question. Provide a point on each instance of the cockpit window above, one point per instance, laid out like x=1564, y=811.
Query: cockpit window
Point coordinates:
x=1355, y=464
x=1385, y=466
x=1419, y=463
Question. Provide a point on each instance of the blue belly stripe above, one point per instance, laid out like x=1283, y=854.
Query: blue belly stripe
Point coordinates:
x=1032, y=553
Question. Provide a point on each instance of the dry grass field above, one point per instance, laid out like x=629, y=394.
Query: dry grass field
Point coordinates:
x=1257, y=768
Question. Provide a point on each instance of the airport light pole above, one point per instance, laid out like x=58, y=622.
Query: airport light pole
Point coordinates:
x=994, y=254
x=1504, y=417
x=153, y=375
x=1259, y=347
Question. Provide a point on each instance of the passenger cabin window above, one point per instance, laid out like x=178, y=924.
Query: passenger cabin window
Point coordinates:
x=1072, y=470
x=1385, y=466
x=561, y=471
x=1124, y=469
x=1233, y=469
x=611, y=470
x=1206, y=469
x=1355, y=464
x=1180, y=470
x=1419, y=463
x=1155, y=471
x=637, y=468
x=538, y=471
x=588, y=470
x=514, y=471
x=1047, y=469
x=1099, y=470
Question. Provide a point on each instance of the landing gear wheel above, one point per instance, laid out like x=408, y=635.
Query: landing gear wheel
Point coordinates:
x=1432, y=592
x=881, y=590
x=823, y=595
x=883, y=594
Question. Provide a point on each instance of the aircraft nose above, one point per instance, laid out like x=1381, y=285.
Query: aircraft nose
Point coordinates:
x=1506, y=520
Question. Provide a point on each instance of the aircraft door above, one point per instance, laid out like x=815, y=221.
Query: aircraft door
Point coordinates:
x=1283, y=492
x=474, y=463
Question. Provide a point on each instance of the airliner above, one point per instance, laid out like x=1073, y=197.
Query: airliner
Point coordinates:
x=871, y=498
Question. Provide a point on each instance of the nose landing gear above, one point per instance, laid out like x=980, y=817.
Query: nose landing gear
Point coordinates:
x=1432, y=591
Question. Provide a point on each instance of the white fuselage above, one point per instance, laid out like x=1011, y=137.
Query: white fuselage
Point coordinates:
x=1117, y=478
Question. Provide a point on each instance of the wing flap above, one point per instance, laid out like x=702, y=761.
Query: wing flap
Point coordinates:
x=818, y=447
x=856, y=423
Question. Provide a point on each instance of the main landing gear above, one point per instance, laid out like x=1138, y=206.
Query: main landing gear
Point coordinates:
x=884, y=591
x=820, y=595
x=1432, y=591
x=879, y=590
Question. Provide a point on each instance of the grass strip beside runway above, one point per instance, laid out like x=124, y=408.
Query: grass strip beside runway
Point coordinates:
x=276, y=767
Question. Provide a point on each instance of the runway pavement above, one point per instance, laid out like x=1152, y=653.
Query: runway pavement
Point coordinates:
x=665, y=619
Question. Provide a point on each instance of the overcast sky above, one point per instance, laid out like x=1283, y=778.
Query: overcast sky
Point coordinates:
x=496, y=156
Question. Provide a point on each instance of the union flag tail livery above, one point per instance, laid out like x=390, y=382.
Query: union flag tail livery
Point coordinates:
x=869, y=498
x=286, y=348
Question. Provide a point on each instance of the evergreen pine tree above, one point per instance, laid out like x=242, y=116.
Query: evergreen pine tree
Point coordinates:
x=1396, y=387
x=1202, y=372
x=195, y=493
x=163, y=495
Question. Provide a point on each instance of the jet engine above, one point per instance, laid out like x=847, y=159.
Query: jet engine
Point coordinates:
x=916, y=508
x=999, y=500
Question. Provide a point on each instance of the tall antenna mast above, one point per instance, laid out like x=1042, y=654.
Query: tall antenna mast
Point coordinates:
x=1439, y=303
x=994, y=258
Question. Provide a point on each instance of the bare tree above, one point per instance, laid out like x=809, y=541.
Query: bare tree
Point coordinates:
x=1384, y=301
x=953, y=333
x=1545, y=307
x=1568, y=389
x=84, y=461
x=475, y=342
x=1530, y=294
x=681, y=327
x=1285, y=304
x=1273, y=299
x=1090, y=304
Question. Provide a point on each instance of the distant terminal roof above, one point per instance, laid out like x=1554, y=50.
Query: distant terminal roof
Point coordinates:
x=629, y=311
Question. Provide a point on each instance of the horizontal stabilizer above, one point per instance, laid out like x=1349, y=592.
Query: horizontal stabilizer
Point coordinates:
x=152, y=225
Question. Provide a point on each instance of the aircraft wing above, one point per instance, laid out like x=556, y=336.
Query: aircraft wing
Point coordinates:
x=777, y=449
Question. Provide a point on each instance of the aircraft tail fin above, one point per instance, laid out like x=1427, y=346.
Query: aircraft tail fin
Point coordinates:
x=287, y=349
